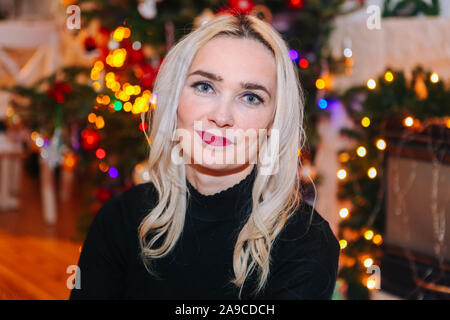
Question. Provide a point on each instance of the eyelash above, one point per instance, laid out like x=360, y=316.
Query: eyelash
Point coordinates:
x=196, y=84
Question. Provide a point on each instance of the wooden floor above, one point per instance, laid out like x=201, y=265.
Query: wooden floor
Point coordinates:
x=34, y=256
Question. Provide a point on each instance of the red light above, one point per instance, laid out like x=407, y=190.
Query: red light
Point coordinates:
x=303, y=63
x=145, y=126
x=296, y=4
x=100, y=153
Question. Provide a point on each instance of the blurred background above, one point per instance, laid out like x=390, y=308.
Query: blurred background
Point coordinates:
x=75, y=76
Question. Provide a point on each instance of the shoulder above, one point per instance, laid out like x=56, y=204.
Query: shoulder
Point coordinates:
x=126, y=209
x=308, y=234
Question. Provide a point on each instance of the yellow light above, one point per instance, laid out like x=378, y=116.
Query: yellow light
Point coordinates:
x=368, y=262
x=136, y=89
x=381, y=144
x=109, y=60
x=96, y=85
x=118, y=57
x=98, y=65
x=408, y=121
x=298, y=152
x=127, y=106
x=126, y=32
x=123, y=96
x=343, y=243
x=92, y=117
x=115, y=87
x=371, y=84
x=110, y=76
x=371, y=284
x=103, y=167
x=343, y=213
x=447, y=122
x=95, y=74
x=372, y=172
x=344, y=157
x=34, y=135
x=99, y=122
x=118, y=34
x=145, y=108
x=320, y=84
x=106, y=100
x=365, y=122
x=149, y=140
x=69, y=161
x=388, y=76
x=368, y=234
x=377, y=239
x=434, y=78
x=361, y=151
x=341, y=174
x=129, y=90
x=99, y=99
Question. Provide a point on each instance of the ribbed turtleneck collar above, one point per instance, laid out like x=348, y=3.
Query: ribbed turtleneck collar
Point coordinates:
x=227, y=204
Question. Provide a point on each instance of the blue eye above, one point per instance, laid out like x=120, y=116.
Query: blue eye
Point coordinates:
x=201, y=85
x=254, y=97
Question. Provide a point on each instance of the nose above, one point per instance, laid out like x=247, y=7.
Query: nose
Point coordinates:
x=221, y=115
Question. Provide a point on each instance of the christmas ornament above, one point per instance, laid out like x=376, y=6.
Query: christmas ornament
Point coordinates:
x=203, y=18
x=147, y=9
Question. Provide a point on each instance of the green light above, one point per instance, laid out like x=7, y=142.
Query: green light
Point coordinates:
x=117, y=105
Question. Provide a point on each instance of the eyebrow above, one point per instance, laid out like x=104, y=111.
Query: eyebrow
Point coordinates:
x=244, y=85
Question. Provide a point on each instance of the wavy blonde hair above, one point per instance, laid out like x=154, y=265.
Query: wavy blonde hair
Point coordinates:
x=275, y=197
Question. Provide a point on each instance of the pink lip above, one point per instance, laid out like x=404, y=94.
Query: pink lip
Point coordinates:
x=213, y=140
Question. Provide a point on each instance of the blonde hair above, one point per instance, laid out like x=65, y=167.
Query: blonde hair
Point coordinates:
x=275, y=197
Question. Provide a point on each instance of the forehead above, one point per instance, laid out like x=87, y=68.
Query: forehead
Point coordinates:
x=240, y=59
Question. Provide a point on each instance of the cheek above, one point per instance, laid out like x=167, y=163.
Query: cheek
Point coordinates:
x=186, y=111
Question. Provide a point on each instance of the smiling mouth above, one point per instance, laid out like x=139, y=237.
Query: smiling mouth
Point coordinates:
x=213, y=140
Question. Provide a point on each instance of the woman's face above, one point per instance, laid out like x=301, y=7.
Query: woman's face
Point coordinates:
x=228, y=96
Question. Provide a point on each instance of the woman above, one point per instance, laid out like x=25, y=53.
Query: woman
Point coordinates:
x=208, y=226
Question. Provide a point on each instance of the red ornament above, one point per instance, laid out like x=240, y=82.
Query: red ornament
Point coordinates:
x=90, y=139
x=59, y=90
x=134, y=56
x=102, y=194
x=295, y=4
x=241, y=6
x=89, y=44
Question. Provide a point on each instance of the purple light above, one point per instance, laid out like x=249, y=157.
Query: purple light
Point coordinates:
x=113, y=173
x=293, y=54
x=46, y=143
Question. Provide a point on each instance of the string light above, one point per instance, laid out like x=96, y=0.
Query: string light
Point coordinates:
x=365, y=122
x=371, y=283
x=127, y=106
x=342, y=174
x=323, y=104
x=103, y=167
x=368, y=262
x=343, y=243
x=408, y=121
x=343, y=213
x=320, y=84
x=371, y=84
x=372, y=172
x=388, y=76
x=377, y=239
x=99, y=122
x=113, y=173
x=303, y=63
x=361, y=151
x=368, y=235
x=100, y=153
x=434, y=78
x=381, y=144
x=92, y=117
x=344, y=157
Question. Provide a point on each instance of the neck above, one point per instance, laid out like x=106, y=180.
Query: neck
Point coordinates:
x=209, y=182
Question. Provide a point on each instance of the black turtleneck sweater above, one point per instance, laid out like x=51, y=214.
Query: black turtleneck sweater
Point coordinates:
x=304, y=258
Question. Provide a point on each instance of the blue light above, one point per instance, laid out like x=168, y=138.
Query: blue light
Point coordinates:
x=323, y=104
x=293, y=54
x=113, y=173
